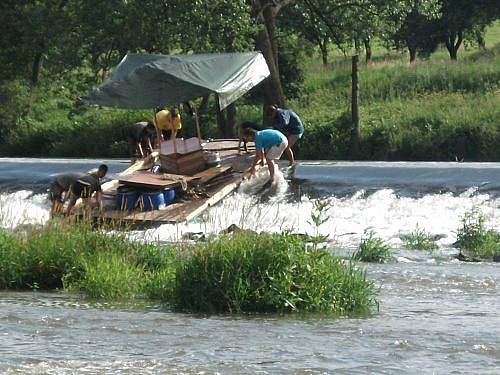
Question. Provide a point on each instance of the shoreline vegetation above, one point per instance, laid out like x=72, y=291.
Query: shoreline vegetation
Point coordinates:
x=237, y=272
x=433, y=109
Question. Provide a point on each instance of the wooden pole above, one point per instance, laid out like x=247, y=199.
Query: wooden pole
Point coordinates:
x=355, y=131
x=197, y=121
x=158, y=139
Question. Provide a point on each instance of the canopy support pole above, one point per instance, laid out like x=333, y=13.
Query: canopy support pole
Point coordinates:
x=158, y=142
x=197, y=121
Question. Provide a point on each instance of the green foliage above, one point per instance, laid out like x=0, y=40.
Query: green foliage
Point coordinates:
x=109, y=276
x=261, y=273
x=476, y=239
x=373, y=249
x=419, y=239
x=269, y=273
x=12, y=268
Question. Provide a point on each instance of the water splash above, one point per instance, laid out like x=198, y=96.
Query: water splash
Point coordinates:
x=23, y=208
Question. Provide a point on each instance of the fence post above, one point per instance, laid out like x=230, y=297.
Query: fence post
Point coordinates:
x=354, y=149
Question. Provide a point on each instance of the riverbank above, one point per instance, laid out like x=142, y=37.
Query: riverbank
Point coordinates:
x=431, y=110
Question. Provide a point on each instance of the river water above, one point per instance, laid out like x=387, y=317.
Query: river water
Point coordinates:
x=437, y=315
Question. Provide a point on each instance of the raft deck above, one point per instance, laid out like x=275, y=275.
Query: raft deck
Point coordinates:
x=204, y=189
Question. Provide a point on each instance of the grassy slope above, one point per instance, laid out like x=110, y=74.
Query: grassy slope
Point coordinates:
x=430, y=110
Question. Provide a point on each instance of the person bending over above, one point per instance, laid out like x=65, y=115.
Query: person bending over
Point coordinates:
x=168, y=123
x=242, y=137
x=269, y=145
x=286, y=121
x=139, y=139
x=85, y=186
x=59, y=190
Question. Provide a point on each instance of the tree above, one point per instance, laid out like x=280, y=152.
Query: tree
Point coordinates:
x=31, y=31
x=461, y=19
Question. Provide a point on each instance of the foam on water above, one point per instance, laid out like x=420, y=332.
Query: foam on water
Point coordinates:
x=382, y=210
x=23, y=207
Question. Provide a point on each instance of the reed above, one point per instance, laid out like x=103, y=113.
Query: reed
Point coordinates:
x=474, y=238
x=269, y=273
x=419, y=239
x=373, y=249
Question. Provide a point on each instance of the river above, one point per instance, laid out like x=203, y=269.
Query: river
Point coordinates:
x=437, y=315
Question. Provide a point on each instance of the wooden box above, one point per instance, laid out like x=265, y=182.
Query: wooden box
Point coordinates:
x=186, y=164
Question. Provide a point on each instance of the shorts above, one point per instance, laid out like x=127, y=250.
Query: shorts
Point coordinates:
x=55, y=192
x=276, y=151
x=81, y=190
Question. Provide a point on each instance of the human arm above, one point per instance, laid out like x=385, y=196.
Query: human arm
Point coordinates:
x=138, y=145
x=259, y=155
x=173, y=135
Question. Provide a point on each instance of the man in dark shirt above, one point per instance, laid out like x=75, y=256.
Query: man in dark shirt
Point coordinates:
x=288, y=122
x=59, y=190
x=85, y=186
x=139, y=139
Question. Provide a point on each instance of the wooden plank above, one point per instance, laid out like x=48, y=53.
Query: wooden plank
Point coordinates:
x=209, y=174
x=148, y=179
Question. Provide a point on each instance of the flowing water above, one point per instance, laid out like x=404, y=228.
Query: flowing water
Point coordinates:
x=437, y=315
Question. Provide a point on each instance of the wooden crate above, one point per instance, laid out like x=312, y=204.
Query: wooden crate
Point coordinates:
x=186, y=164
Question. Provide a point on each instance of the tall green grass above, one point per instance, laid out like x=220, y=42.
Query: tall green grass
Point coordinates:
x=419, y=239
x=373, y=249
x=475, y=239
x=245, y=273
x=269, y=273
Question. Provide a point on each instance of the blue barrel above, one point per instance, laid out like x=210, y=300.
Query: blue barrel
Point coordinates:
x=169, y=195
x=126, y=200
x=153, y=200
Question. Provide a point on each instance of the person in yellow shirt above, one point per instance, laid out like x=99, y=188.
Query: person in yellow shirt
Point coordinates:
x=168, y=123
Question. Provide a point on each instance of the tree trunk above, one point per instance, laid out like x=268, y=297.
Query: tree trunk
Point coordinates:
x=35, y=70
x=413, y=54
x=230, y=121
x=368, y=49
x=270, y=22
x=221, y=118
x=453, y=43
x=355, y=131
x=323, y=47
x=226, y=119
x=274, y=90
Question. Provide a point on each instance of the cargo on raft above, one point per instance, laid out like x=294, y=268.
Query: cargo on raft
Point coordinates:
x=149, y=192
x=182, y=178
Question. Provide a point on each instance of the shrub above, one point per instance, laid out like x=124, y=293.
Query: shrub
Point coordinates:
x=373, y=249
x=475, y=238
x=419, y=239
x=12, y=264
x=109, y=276
x=269, y=273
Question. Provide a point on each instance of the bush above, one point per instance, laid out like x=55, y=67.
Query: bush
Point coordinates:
x=373, y=249
x=269, y=273
x=474, y=238
x=109, y=276
x=419, y=239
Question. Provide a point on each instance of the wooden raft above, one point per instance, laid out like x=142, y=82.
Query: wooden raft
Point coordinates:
x=217, y=183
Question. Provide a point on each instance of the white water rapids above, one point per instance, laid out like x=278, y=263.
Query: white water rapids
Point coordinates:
x=390, y=199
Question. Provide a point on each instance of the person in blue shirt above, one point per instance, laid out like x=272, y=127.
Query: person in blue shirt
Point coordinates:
x=269, y=144
x=286, y=121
